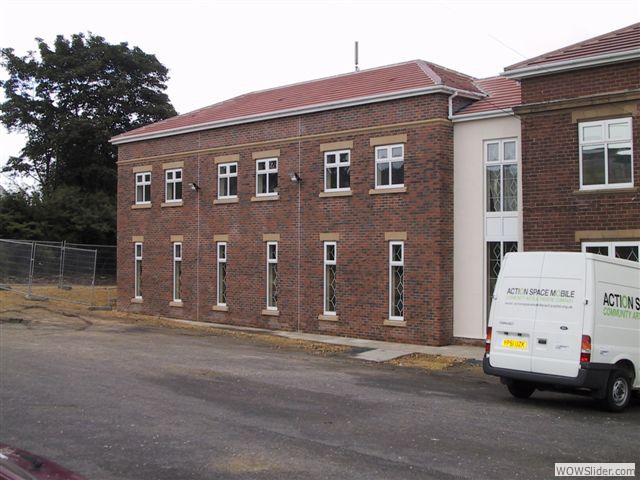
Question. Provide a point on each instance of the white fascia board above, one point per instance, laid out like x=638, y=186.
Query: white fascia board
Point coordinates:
x=297, y=111
x=467, y=117
x=573, y=64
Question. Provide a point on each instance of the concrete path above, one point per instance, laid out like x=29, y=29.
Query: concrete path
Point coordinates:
x=376, y=351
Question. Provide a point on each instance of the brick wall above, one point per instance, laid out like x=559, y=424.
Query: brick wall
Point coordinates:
x=553, y=207
x=581, y=83
x=425, y=212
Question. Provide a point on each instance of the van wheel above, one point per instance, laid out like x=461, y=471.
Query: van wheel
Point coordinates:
x=521, y=389
x=618, y=391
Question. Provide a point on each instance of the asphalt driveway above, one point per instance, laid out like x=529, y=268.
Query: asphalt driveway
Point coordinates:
x=115, y=400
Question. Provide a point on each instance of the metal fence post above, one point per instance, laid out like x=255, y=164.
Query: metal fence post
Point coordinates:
x=31, y=265
x=93, y=280
x=61, y=274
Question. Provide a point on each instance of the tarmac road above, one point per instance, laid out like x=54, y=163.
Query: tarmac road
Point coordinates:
x=119, y=401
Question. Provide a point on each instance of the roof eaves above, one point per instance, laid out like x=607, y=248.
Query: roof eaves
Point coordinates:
x=573, y=64
x=118, y=140
x=466, y=117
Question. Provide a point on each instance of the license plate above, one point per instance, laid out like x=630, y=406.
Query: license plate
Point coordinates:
x=510, y=343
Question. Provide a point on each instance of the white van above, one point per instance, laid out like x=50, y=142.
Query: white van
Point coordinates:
x=567, y=322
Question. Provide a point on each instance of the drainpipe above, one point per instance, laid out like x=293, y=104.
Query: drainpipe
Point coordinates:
x=451, y=97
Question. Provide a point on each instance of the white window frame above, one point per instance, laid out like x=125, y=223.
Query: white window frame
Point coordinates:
x=143, y=179
x=605, y=142
x=220, y=260
x=226, y=177
x=337, y=166
x=328, y=262
x=177, y=258
x=170, y=185
x=395, y=263
x=611, y=246
x=266, y=173
x=501, y=162
x=271, y=261
x=389, y=160
x=137, y=257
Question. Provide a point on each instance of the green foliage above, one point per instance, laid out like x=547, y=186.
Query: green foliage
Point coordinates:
x=70, y=99
x=68, y=213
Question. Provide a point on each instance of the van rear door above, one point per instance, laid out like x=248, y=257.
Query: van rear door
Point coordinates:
x=559, y=318
x=513, y=312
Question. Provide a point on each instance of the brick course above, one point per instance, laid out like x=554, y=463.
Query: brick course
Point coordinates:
x=425, y=212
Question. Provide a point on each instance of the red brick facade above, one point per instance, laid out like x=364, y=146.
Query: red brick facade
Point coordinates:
x=299, y=216
x=555, y=210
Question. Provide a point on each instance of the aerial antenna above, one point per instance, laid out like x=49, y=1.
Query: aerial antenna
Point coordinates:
x=357, y=67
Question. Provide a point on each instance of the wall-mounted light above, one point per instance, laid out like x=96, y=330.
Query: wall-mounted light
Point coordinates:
x=194, y=186
x=295, y=177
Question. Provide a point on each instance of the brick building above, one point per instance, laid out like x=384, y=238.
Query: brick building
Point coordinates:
x=347, y=205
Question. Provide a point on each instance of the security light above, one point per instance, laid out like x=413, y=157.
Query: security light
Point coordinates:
x=295, y=177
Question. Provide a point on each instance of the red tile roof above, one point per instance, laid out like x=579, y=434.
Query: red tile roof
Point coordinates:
x=627, y=38
x=503, y=94
x=393, y=79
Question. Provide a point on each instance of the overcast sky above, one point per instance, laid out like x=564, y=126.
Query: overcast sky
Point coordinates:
x=218, y=49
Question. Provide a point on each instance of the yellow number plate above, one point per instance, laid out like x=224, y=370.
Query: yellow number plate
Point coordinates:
x=510, y=343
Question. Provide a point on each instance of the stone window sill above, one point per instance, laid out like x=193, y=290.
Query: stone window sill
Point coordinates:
x=270, y=313
x=222, y=201
x=382, y=191
x=328, y=318
x=220, y=308
x=178, y=304
x=265, y=198
x=171, y=204
x=606, y=191
x=346, y=193
x=139, y=206
x=395, y=323
x=136, y=300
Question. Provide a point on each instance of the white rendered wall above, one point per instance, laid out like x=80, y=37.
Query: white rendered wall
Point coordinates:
x=469, y=257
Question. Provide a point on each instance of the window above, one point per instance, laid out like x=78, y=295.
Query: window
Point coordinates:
x=606, y=154
x=221, y=295
x=495, y=255
x=390, y=166
x=266, y=176
x=625, y=250
x=177, y=271
x=501, y=163
x=143, y=187
x=227, y=180
x=137, y=270
x=396, y=280
x=337, y=171
x=272, y=275
x=330, y=260
x=173, y=192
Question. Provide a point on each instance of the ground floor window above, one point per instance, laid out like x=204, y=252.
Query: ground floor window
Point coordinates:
x=138, y=270
x=396, y=280
x=272, y=275
x=624, y=250
x=221, y=295
x=495, y=254
x=330, y=285
x=177, y=271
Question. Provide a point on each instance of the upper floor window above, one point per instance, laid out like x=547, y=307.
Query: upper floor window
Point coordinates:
x=390, y=166
x=501, y=163
x=266, y=176
x=173, y=182
x=624, y=250
x=143, y=187
x=228, y=180
x=337, y=171
x=606, y=154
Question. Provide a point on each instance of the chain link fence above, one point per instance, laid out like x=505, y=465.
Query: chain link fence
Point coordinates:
x=81, y=274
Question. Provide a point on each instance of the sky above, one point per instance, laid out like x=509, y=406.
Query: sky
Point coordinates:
x=217, y=49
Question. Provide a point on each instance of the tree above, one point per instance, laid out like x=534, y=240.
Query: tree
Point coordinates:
x=70, y=100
